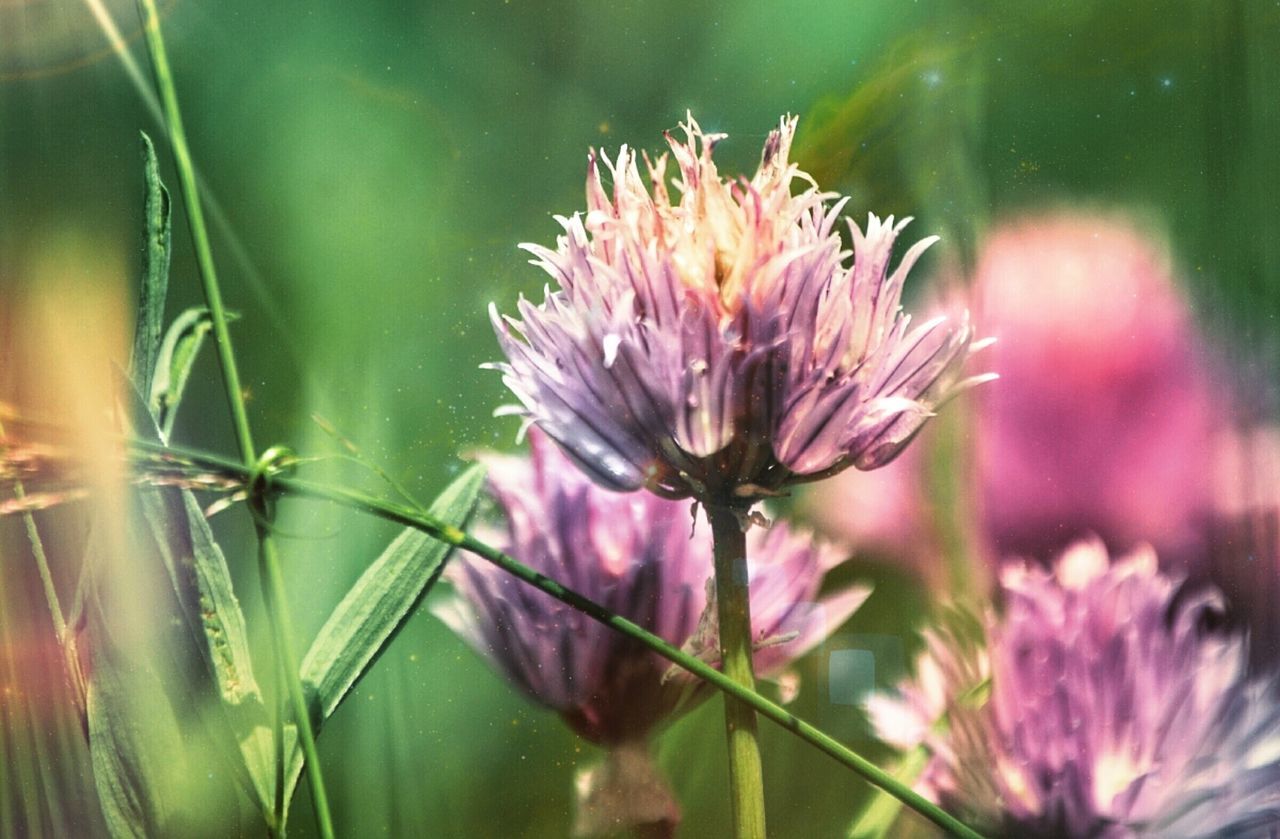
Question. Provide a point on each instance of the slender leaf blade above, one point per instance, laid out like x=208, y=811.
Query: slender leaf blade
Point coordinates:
x=381, y=601
x=177, y=357
x=206, y=601
x=375, y=609
x=136, y=743
x=199, y=574
x=154, y=286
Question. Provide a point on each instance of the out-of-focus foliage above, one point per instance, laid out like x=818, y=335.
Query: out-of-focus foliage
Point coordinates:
x=376, y=165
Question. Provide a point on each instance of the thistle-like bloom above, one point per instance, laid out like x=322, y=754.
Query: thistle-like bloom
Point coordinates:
x=635, y=555
x=724, y=346
x=1116, y=706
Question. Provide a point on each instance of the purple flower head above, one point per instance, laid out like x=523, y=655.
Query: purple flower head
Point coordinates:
x=634, y=554
x=724, y=345
x=1109, y=702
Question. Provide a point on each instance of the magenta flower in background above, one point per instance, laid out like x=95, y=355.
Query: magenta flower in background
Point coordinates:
x=1104, y=420
x=635, y=555
x=888, y=515
x=724, y=346
x=1117, y=706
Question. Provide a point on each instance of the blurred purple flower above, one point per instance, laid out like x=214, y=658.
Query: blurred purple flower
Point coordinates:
x=634, y=554
x=1109, y=702
x=724, y=347
x=1103, y=421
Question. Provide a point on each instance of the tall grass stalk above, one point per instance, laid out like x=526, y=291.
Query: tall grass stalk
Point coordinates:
x=269, y=560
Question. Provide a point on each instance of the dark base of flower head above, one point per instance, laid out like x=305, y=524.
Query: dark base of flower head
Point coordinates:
x=626, y=792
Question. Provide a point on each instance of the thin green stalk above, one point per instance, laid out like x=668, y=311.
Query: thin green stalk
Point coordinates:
x=733, y=606
x=42, y=564
x=42, y=560
x=283, y=629
x=279, y=711
x=172, y=458
x=11, y=715
x=235, y=247
x=7, y=816
x=274, y=589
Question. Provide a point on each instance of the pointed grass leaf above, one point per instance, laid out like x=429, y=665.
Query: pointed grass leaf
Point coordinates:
x=202, y=583
x=153, y=287
x=381, y=601
x=176, y=357
x=375, y=609
x=136, y=740
x=206, y=601
x=124, y=768
x=256, y=746
x=199, y=574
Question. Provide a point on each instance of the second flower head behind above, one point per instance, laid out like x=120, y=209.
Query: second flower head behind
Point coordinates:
x=724, y=345
x=635, y=555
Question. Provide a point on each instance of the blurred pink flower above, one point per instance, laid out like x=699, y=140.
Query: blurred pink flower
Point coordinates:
x=634, y=554
x=724, y=346
x=1104, y=418
x=885, y=515
x=1105, y=415
x=1108, y=701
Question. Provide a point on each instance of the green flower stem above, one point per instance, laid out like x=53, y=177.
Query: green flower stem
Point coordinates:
x=269, y=560
x=172, y=460
x=733, y=606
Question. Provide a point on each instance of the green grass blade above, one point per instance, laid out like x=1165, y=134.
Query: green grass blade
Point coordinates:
x=154, y=285
x=135, y=740
x=202, y=581
x=199, y=574
x=208, y=607
x=382, y=601
x=376, y=608
x=176, y=358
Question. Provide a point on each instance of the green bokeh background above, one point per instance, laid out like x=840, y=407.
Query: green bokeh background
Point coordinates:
x=378, y=162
